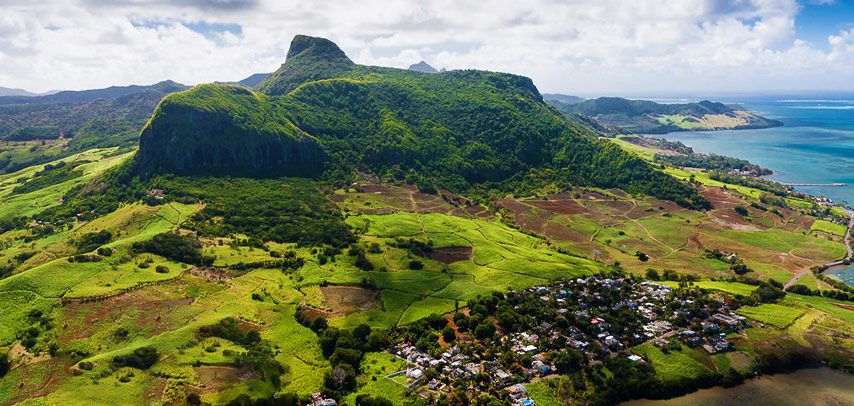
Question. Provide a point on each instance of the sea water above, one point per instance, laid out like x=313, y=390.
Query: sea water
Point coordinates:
x=815, y=145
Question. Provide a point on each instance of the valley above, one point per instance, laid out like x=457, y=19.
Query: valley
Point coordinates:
x=298, y=241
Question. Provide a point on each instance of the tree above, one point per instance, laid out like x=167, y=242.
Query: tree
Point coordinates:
x=378, y=340
x=4, y=363
x=361, y=332
x=484, y=330
x=340, y=379
x=448, y=334
x=319, y=324
x=652, y=275
x=568, y=361
x=140, y=358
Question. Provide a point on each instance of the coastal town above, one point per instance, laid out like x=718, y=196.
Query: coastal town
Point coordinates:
x=555, y=329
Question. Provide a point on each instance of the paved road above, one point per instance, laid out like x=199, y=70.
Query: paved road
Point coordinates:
x=849, y=255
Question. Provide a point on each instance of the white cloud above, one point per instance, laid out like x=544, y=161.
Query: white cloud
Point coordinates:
x=577, y=46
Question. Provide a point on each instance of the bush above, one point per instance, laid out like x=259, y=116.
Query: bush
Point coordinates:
x=741, y=210
x=89, y=241
x=416, y=265
x=161, y=269
x=181, y=248
x=484, y=330
x=140, y=358
x=229, y=329
x=4, y=363
x=448, y=334
x=367, y=400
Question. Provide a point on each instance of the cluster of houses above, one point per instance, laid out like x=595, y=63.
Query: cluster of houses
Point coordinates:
x=597, y=316
x=318, y=399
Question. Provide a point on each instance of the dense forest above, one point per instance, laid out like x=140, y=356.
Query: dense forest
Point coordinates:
x=478, y=132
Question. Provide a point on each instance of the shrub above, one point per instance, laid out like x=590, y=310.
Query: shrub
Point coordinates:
x=161, y=269
x=140, y=358
x=181, y=248
x=416, y=265
x=89, y=241
x=741, y=210
x=4, y=363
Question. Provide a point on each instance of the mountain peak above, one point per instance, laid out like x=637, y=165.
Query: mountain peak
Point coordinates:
x=314, y=47
x=308, y=59
x=423, y=67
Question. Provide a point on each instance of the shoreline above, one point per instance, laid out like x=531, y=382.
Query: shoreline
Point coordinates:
x=691, y=397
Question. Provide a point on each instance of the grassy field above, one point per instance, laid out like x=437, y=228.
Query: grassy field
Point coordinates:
x=777, y=315
x=672, y=367
x=828, y=227
x=735, y=288
x=27, y=204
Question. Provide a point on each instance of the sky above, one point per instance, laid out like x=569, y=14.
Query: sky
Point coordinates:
x=581, y=47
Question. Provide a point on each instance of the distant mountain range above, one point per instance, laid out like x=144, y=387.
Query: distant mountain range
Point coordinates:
x=647, y=117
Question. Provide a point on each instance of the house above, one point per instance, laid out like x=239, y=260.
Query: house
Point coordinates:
x=516, y=391
x=635, y=358
x=414, y=373
x=434, y=384
x=529, y=349
x=502, y=376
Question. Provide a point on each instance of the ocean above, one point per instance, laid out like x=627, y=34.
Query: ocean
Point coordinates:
x=815, y=145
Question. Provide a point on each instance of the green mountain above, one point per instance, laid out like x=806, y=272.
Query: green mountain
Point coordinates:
x=648, y=117
x=322, y=115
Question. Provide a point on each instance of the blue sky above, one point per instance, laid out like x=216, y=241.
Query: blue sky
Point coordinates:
x=817, y=20
x=587, y=47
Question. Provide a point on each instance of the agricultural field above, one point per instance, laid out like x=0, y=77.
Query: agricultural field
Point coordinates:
x=780, y=316
x=413, y=255
x=828, y=227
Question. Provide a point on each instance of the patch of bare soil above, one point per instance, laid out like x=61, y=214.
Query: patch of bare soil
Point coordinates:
x=212, y=274
x=216, y=378
x=449, y=255
x=731, y=220
x=560, y=206
x=152, y=310
x=719, y=198
x=561, y=232
x=344, y=300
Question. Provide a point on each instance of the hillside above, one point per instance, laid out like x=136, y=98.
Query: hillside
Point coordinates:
x=647, y=117
x=344, y=226
x=322, y=115
x=39, y=129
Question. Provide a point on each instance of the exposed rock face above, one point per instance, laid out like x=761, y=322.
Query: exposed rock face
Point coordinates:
x=187, y=140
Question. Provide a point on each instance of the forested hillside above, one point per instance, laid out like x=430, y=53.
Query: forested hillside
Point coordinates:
x=322, y=115
x=69, y=122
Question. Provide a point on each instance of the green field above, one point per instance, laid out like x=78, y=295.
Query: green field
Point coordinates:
x=828, y=227
x=780, y=316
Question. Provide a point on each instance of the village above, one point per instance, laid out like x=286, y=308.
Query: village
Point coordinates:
x=563, y=327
